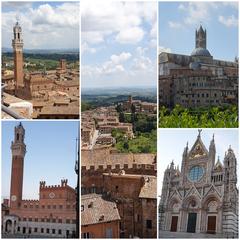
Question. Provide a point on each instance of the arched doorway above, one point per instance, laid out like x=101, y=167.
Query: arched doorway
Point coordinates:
x=212, y=208
x=8, y=226
x=192, y=206
x=174, y=207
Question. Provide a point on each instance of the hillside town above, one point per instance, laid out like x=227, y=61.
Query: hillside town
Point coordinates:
x=52, y=94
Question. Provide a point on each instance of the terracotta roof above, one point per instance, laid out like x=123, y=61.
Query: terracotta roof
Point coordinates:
x=104, y=157
x=95, y=209
x=149, y=189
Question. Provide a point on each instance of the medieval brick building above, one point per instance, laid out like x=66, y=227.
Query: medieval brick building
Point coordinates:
x=202, y=197
x=52, y=215
x=129, y=180
x=99, y=217
x=197, y=80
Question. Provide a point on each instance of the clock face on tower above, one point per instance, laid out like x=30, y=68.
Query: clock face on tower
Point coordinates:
x=14, y=198
x=195, y=173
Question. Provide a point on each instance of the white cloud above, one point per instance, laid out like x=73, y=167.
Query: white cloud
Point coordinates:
x=174, y=24
x=115, y=26
x=65, y=15
x=130, y=35
x=153, y=43
x=231, y=4
x=141, y=63
x=181, y=7
x=85, y=48
x=163, y=49
x=153, y=32
x=113, y=65
x=230, y=21
x=16, y=5
x=124, y=56
x=195, y=12
x=45, y=26
x=122, y=19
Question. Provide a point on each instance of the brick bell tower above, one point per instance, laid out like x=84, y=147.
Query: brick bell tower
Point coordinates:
x=17, y=44
x=18, y=148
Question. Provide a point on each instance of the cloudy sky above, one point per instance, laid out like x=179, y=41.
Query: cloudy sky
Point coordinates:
x=172, y=142
x=119, y=46
x=178, y=21
x=45, y=25
x=50, y=156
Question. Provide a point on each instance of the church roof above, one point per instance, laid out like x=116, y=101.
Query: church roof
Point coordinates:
x=201, y=52
x=218, y=166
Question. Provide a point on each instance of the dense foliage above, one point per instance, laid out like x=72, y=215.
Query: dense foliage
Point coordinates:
x=145, y=133
x=212, y=117
x=85, y=106
x=141, y=143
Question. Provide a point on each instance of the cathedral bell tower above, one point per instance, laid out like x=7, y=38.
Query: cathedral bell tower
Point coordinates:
x=18, y=148
x=201, y=38
x=17, y=44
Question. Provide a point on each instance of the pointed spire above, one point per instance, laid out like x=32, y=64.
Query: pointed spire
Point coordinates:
x=212, y=144
x=172, y=165
x=199, y=133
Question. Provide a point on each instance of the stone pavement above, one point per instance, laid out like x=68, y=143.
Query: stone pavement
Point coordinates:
x=167, y=234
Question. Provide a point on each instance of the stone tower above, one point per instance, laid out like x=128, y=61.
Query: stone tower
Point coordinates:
x=18, y=148
x=17, y=44
x=201, y=38
x=63, y=64
x=230, y=206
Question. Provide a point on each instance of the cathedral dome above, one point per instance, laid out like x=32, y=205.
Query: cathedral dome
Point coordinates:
x=201, y=52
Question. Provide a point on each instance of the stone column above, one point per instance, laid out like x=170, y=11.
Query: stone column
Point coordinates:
x=199, y=218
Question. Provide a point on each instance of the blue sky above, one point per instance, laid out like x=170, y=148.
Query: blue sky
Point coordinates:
x=171, y=143
x=45, y=25
x=119, y=46
x=179, y=20
x=50, y=156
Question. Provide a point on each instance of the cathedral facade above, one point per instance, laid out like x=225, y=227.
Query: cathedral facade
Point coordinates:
x=197, y=80
x=202, y=196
